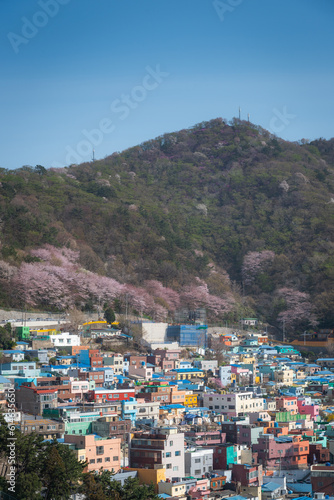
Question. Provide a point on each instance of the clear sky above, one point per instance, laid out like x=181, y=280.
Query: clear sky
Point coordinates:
x=109, y=74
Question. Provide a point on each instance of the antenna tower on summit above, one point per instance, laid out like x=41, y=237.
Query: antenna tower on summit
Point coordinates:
x=239, y=113
x=93, y=157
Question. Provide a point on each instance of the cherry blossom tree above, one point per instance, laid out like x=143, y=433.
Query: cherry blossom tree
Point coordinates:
x=58, y=281
x=6, y=270
x=169, y=296
x=59, y=256
x=36, y=285
x=198, y=295
x=254, y=263
x=298, y=308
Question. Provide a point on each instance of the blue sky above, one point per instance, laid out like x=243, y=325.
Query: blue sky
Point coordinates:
x=110, y=74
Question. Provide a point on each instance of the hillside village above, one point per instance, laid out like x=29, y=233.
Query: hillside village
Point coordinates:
x=200, y=413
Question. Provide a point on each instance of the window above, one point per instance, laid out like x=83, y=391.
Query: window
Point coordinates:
x=198, y=472
x=107, y=459
x=168, y=466
x=177, y=453
x=171, y=443
x=82, y=457
x=168, y=454
x=115, y=459
x=175, y=468
x=197, y=460
x=92, y=461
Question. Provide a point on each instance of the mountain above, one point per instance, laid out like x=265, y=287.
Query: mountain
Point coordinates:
x=222, y=215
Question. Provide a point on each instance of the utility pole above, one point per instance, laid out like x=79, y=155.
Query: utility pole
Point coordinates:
x=280, y=459
x=126, y=306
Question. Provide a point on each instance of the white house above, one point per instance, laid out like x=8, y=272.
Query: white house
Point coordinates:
x=206, y=364
x=233, y=404
x=65, y=339
x=198, y=462
x=147, y=412
x=225, y=375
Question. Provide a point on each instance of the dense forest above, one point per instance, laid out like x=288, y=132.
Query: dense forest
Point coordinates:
x=223, y=215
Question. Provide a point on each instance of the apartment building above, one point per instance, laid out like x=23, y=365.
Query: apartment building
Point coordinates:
x=117, y=361
x=98, y=452
x=164, y=446
x=289, y=451
x=233, y=404
x=147, y=412
x=35, y=400
x=198, y=461
x=284, y=377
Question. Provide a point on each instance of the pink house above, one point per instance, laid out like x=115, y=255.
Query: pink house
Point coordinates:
x=141, y=370
x=287, y=404
x=79, y=388
x=305, y=407
x=243, y=375
x=98, y=452
x=201, y=490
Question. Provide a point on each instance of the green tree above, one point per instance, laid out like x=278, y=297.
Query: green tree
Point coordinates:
x=109, y=315
x=113, y=490
x=61, y=472
x=29, y=450
x=6, y=341
x=53, y=477
x=43, y=470
x=92, y=489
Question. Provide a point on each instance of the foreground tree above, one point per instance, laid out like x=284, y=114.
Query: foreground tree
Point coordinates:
x=43, y=470
x=102, y=486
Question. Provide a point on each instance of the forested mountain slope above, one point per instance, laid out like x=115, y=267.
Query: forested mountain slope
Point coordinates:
x=221, y=215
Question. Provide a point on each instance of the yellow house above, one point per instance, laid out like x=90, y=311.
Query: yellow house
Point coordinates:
x=187, y=373
x=190, y=400
x=173, y=415
x=176, y=489
x=247, y=359
x=148, y=476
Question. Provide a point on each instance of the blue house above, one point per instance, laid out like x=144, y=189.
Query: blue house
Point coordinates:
x=129, y=410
